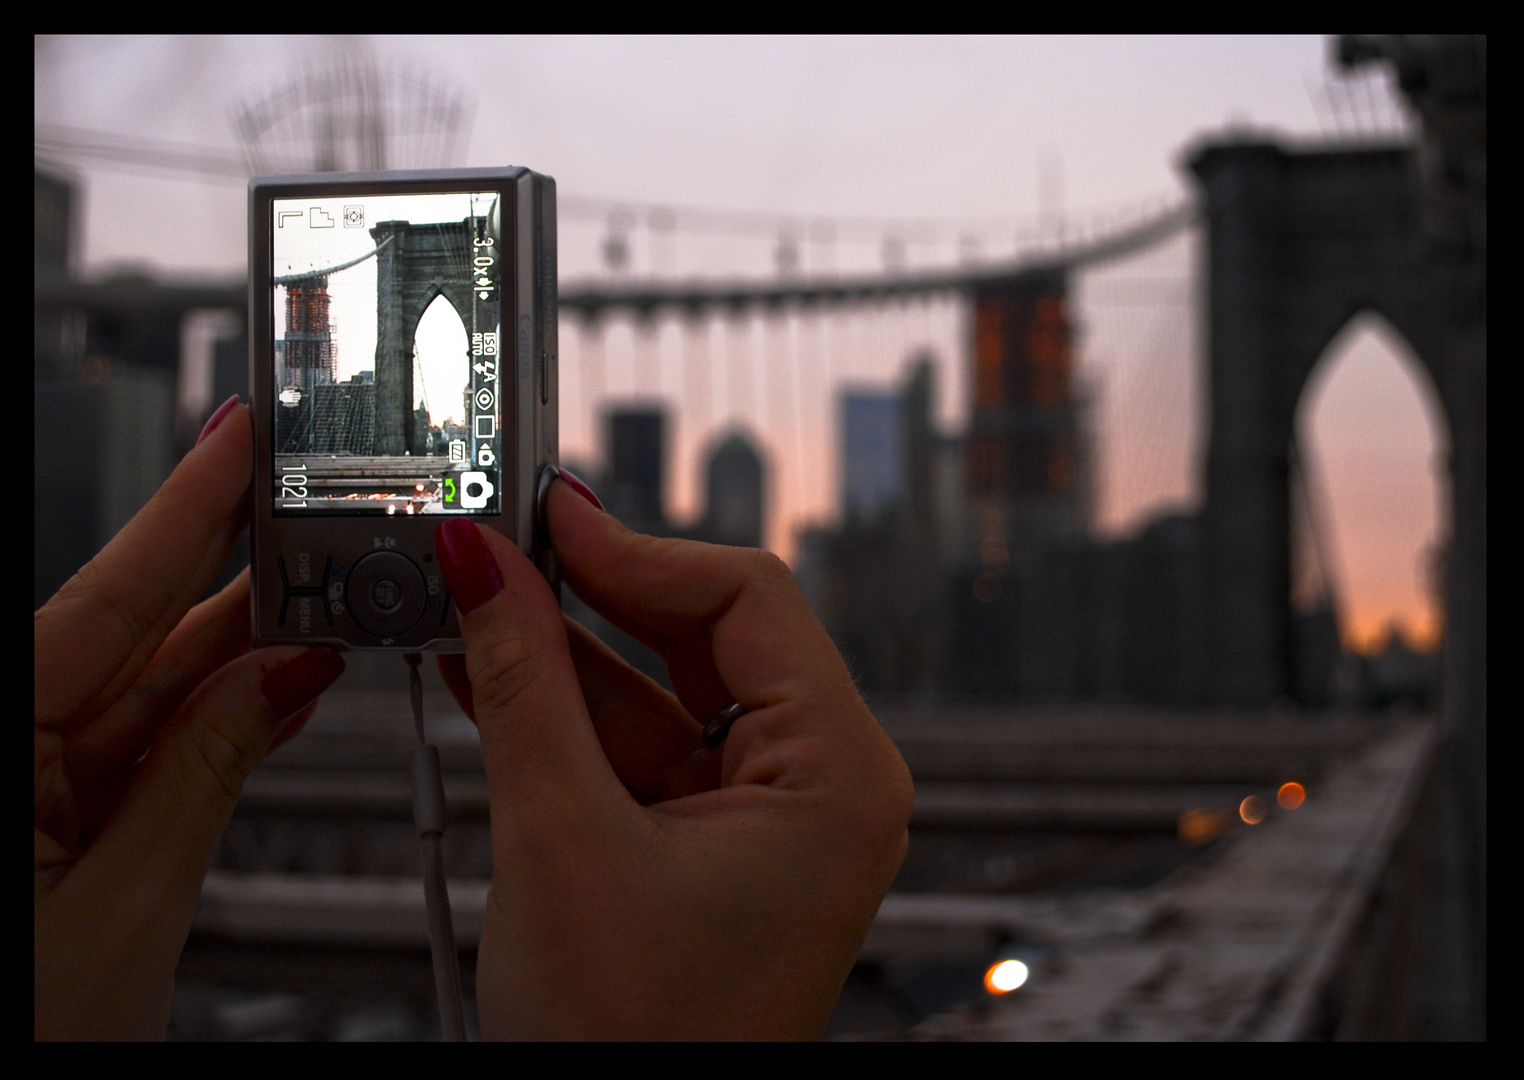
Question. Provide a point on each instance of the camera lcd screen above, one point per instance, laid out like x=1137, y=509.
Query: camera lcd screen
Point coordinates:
x=387, y=318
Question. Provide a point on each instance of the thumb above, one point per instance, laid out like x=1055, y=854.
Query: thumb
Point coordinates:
x=544, y=763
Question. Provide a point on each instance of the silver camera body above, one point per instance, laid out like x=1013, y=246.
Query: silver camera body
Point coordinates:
x=373, y=425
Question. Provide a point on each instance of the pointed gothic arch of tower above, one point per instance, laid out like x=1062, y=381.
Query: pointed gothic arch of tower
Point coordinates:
x=1299, y=243
x=422, y=263
x=442, y=368
x=1372, y=442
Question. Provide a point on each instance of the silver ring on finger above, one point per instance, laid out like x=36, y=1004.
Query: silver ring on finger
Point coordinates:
x=716, y=730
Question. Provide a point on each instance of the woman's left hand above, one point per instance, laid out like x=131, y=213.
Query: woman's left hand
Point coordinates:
x=149, y=713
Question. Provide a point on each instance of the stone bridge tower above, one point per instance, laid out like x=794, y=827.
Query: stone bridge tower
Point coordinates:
x=421, y=263
x=1299, y=244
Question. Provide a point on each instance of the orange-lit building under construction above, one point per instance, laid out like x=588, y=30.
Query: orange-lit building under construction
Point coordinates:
x=1027, y=469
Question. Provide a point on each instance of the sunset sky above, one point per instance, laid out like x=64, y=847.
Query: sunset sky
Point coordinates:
x=991, y=138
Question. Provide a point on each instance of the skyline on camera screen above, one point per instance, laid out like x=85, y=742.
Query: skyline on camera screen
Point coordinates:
x=387, y=315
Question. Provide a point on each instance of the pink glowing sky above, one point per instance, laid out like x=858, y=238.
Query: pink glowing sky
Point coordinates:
x=1011, y=129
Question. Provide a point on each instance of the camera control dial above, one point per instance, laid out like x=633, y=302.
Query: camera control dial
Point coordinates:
x=386, y=593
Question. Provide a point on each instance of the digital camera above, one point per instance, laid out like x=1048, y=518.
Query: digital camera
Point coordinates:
x=402, y=369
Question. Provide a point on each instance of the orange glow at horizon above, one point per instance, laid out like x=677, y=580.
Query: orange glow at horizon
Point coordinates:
x=1375, y=443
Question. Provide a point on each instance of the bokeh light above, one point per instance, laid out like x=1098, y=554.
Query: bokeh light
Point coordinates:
x=1253, y=810
x=1197, y=827
x=1291, y=795
x=1005, y=976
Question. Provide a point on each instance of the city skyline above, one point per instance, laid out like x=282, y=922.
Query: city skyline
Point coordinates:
x=833, y=127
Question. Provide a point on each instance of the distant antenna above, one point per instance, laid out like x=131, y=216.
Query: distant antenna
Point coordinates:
x=349, y=113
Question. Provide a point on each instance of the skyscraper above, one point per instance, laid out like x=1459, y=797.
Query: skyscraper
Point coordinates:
x=1027, y=470
x=872, y=467
x=735, y=493
x=637, y=468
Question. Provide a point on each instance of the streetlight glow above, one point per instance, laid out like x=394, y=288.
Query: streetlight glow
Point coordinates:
x=1005, y=976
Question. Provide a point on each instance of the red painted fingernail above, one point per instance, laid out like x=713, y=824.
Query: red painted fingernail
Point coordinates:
x=293, y=686
x=574, y=482
x=468, y=565
x=217, y=417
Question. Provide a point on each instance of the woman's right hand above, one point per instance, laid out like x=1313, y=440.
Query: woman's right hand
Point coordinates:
x=149, y=711
x=643, y=885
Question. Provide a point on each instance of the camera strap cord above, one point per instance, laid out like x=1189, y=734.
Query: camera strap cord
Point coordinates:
x=429, y=816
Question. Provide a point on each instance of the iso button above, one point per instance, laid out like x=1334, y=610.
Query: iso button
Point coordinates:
x=386, y=594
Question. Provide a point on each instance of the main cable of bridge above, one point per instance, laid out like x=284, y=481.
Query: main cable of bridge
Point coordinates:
x=1083, y=237
x=590, y=300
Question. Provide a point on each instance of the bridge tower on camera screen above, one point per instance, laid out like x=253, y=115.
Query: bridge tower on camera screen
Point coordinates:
x=306, y=359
